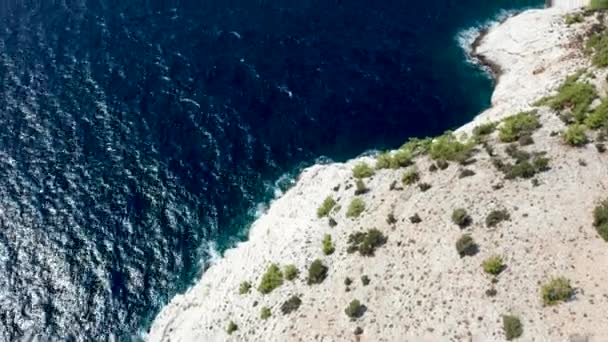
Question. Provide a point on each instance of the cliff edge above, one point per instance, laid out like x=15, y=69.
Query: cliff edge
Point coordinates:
x=487, y=234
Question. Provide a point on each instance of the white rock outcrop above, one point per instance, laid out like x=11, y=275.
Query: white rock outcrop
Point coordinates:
x=420, y=289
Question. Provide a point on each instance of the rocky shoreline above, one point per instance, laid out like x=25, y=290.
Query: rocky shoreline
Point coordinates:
x=394, y=267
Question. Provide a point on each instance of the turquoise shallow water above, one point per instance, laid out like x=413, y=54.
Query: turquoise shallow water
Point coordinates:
x=138, y=136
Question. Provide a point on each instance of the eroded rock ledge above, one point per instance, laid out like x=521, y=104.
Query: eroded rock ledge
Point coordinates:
x=420, y=288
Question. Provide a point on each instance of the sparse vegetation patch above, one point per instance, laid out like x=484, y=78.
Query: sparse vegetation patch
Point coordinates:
x=317, y=272
x=326, y=207
x=410, y=176
x=272, y=279
x=497, y=216
x=327, y=245
x=291, y=272
x=514, y=127
x=366, y=242
x=291, y=305
x=556, y=290
x=493, y=265
x=355, y=208
x=512, y=327
x=461, y=217
x=575, y=135
x=362, y=170
x=573, y=95
x=466, y=246
x=600, y=219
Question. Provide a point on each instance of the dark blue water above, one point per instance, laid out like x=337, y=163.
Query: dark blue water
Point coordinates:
x=134, y=135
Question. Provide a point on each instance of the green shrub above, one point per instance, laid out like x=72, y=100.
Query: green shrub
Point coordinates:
x=515, y=126
x=326, y=206
x=328, y=246
x=362, y=170
x=410, y=176
x=600, y=219
x=466, y=246
x=384, y=160
x=484, y=129
x=332, y=222
x=556, y=290
x=599, y=116
x=317, y=272
x=265, y=313
x=272, y=279
x=397, y=159
x=354, y=309
x=512, y=327
x=573, y=95
x=291, y=272
x=598, y=4
x=448, y=147
x=360, y=187
x=365, y=280
x=416, y=146
x=575, y=135
x=290, y=305
x=461, y=218
x=493, y=265
x=366, y=242
x=355, y=208
x=574, y=18
x=232, y=327
x=347, y=281
x=401, y=158
x=245, y=287
x=497, y=216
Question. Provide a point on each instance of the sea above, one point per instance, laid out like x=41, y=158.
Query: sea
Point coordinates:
x=139, y=139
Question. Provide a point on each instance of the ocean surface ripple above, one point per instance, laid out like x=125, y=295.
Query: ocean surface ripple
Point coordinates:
x=134, y=135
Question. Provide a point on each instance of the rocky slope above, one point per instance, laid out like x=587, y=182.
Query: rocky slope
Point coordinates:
x=420, y=288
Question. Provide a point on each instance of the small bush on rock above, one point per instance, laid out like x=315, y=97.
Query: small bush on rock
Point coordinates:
x=493, y=265
x=354, y=309
x=362, y=170
x=245, y=287
x=410, y=176
x=512, y=327
x=484, y=129
x=317, y=272
x=461, y=217
x=497, y=216
x=328, y=246
x=265, y=313
x=575, y=135
x=355, y=208
x=272, y=279
x=600, y=219
x=291, y=272
x=366, y=242
x=291, y=305
x=326, y=207
x=232, y=327
x=466, y=246
x=556, y=290
x=448, y=147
